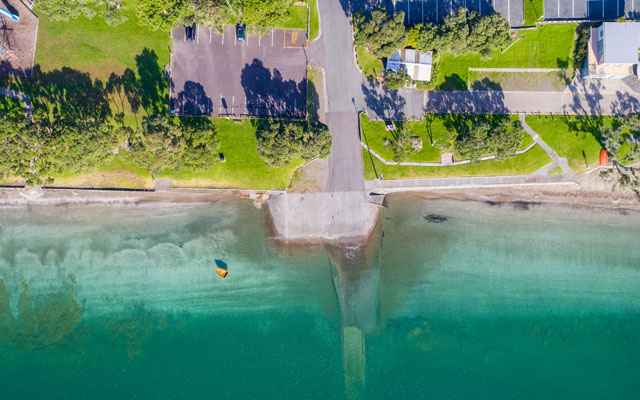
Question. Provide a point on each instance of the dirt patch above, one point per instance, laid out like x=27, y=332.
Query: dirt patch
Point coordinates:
x=517, y=81
x=310, y=178
x=17, y=39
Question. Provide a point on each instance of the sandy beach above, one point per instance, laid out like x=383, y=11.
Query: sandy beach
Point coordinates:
x=591, y=192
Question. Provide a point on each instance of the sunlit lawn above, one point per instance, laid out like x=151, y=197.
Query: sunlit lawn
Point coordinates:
x=522, y=164
x=575, y=137
x=92, y=47
x=371, y=67
x=533, y=9
x=433, y=129
x=549, y=46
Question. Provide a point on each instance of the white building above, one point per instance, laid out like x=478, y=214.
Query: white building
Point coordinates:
x=415, y=62
x=614, y=50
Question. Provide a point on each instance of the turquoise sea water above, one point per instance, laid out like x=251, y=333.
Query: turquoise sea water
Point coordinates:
x=498, y=302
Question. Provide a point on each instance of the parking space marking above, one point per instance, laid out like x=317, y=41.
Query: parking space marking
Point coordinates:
x=294, y=39
x=259, y=38
x=198, y=34
x=271, y=37
x=210, y=30
x=223, y=30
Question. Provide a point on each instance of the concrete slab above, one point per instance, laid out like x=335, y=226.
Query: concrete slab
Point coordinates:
x=217, y=75
x=322, y=216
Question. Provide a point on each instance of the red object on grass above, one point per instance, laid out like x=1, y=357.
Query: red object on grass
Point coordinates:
x=604, y=157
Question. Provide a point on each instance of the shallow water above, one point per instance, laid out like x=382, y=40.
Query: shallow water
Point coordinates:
x=495, y=302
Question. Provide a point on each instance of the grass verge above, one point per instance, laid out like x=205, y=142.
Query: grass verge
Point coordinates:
x=522, y=164
x=314, y=20
x=533, y=10
x=371, y=66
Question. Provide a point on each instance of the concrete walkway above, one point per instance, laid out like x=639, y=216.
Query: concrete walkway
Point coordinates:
x=20, y=96
x=399, y=185
x=557, y=160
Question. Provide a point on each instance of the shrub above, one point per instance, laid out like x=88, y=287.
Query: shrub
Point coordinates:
x=396, y=79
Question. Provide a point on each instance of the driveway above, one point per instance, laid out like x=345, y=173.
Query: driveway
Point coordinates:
x=217, y=75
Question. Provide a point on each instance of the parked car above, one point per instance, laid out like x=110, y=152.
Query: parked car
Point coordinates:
x=190, y=32
x=241, y=30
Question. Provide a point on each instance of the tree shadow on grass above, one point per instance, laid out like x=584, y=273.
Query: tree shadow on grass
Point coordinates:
x=453, y=82
x=153, y=85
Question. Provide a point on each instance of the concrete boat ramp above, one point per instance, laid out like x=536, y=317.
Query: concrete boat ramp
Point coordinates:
x=323, y=216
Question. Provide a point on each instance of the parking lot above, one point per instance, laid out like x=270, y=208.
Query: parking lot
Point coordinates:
x=435, y=11
x=591, y=9
x=218, y=75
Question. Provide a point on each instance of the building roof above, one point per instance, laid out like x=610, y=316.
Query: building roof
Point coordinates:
x=621, y=42
x=417, y=63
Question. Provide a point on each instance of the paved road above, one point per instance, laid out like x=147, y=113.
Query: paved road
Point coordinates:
x=531, y=102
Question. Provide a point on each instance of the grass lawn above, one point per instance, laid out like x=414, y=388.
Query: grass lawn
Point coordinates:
x=527, y=81
x=556, y=171
x=572, y=137
x=374, y=133
x=549, y=46
x=243, y=167
x=522, y=164
x=526, y=140
x=90, y=45
x=371, y=67
x=533, y=9
x=297, y=18
x=91, y=51
x=435, y=129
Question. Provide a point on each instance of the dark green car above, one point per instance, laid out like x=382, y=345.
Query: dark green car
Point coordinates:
x=241, y=30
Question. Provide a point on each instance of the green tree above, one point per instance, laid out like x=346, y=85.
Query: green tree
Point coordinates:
x=65, y=10
x=210, y=13
x=202, y=144
x=381, y=33
x=161, y=15
x=281, y=142
x=263, y=14
x=158, y=145
x=465, y=32
x=480, y=138
x=488, y=32
x=395, y=80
